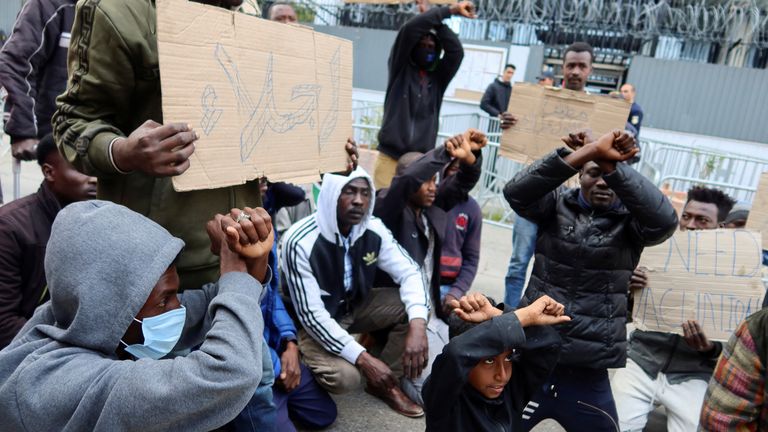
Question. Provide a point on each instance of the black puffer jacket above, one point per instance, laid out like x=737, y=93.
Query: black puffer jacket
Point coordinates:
x=584, y=258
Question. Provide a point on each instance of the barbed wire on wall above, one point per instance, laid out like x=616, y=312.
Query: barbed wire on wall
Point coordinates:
x=728, y=22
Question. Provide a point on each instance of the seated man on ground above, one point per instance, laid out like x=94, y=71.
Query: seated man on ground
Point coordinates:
x=415, y=209
x=329, y=260
x=296, y=394
x=736, y=399
x=25, y=225
x=589, y=241
x=95, y=356
x=488, y=372
x=666, y=368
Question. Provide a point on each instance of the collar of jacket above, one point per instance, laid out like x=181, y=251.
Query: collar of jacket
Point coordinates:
x=48, y=201
x=571, y=198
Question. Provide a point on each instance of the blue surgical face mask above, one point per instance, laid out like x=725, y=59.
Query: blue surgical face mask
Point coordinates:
x=161, y=333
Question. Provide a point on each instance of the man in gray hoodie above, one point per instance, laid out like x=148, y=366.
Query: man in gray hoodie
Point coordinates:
x=94, y=356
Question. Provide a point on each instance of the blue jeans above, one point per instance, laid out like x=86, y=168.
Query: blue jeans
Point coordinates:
x=260, y=413
x=308, y=404
x=523, y=245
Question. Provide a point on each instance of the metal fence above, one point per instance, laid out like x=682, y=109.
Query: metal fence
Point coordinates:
x=679, y=168
x=667, y=165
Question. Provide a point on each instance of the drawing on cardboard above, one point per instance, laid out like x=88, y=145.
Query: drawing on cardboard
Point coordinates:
x=211, y=113
x=264, y=114
x=329, y=122
x=546, y=114
x=269, y=99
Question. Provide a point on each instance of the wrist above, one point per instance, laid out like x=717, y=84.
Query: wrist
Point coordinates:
x=117, y=155
x=362, y=359
x=288, y=345
x=523, y=317
x=417, y=323
x=257, y=267
x=470, y=159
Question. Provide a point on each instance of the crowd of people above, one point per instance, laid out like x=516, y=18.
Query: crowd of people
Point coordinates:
x=126, y=305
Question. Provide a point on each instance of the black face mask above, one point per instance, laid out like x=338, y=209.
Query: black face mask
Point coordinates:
x=424, y=57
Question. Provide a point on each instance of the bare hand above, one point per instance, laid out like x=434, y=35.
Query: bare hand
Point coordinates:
x=376, y=373
x=544, y=311
x=477, y=139
x=229, y=261
x=416, y=352
x=578, y=139
x=25, y=150
x=447, y=304
x=475, y=308
x=251, y=239
x=507, y=120
x=639, y=279
x=464, y=8
x=459, y=147
x=695, y=338
x=615, y=146
x=290, y=372
x=254, y=234
x=155, y=149
x=354, y=156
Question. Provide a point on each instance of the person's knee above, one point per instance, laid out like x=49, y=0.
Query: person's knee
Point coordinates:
x=344, y=379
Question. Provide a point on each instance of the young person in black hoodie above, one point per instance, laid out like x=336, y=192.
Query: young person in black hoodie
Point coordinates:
x=415, y=209
x=486, y=375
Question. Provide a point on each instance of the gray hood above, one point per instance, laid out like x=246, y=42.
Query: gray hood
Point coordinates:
x=327, y=203
x=61, y=372
x=101, y=263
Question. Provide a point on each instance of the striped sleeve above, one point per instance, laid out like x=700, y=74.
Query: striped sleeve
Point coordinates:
x=306, y=293
x=736, y=391
x=394, y=260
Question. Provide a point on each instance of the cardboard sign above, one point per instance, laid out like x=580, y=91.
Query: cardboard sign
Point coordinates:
x=712, y=276
x=546, y=114
x=758, y=215
x=266, y=98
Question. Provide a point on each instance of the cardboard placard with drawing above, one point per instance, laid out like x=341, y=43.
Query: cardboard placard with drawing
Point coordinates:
x=267, y=99
x=545, y=114
x=712, y=276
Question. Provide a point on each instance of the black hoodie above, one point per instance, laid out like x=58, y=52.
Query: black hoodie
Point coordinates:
x=413, y=98
x=452, y=404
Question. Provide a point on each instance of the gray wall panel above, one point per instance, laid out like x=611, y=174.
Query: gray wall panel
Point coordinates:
x=371, y=51
x=704, y=99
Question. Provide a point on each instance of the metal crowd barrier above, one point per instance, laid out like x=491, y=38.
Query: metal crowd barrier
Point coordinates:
x=667, y=165
x=679, y=167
